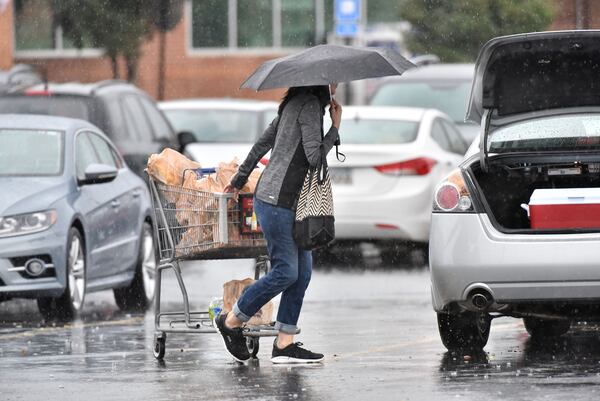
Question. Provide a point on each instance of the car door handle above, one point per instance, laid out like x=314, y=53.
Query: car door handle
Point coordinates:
x=136, y=194
x=115, y=204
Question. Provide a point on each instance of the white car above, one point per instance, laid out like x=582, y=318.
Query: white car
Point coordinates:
x=394, y=159
x=223, y=128
x=515, y=231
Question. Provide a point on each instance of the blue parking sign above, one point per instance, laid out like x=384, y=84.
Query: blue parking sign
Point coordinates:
x=346, y=29
x=347, y=10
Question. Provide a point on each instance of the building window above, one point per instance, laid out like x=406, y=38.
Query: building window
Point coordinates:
x=209, y=23
x=298, y=23
x=34, y=25
x=256, y=23
x=36, y=30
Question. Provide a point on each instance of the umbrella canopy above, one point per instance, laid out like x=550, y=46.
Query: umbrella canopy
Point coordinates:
x=327, y=64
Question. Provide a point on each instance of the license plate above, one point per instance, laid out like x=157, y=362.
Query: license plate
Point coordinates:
x=340, y=176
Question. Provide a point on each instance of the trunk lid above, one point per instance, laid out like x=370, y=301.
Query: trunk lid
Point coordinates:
x=530, y=73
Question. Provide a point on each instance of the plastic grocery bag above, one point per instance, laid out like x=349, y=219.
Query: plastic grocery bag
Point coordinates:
x=232, y=290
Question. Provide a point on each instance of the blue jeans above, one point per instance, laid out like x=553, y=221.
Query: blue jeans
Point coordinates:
x=290, y=272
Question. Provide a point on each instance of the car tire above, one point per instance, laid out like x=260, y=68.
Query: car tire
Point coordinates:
x=546, y=328
x=138, y=295
x=68, y=305
x=465, y=330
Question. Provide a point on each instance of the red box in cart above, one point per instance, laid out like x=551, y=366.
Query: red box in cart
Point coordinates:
x=565, y=208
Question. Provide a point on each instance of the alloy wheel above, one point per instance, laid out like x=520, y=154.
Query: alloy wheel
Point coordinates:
x=76, y=273
x=148, y=264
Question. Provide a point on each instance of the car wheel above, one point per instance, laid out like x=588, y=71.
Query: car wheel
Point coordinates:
x=138, y=295
x=71, y=301
x=546, y=328
x=466, y=330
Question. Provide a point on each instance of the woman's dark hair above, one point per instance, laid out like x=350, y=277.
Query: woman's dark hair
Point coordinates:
x=321, y=92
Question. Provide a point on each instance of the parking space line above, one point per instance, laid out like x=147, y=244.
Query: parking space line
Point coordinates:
x=43, y=330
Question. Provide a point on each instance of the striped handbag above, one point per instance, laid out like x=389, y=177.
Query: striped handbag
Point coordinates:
x=314, y=225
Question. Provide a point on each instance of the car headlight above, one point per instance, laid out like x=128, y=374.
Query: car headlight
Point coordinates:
x=26, y=223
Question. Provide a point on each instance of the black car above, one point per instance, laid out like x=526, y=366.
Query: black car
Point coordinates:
x=127, y=115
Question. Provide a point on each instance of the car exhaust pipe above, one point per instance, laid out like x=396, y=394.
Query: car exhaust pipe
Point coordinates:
x=481, y=299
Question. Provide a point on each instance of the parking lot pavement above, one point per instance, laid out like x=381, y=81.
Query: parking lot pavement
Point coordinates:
x=376, y=328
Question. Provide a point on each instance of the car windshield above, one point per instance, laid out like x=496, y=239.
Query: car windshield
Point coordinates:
x=572, y=132
x=449, y=97
x=46, y=105
x=30, y=152
x=378, y=132
x=216, y=126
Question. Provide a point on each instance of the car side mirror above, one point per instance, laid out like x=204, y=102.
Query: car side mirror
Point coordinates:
x=99, y=174
x=185, y=138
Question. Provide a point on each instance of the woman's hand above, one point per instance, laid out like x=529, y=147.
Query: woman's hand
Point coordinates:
x=231, y=189
x=335, y=111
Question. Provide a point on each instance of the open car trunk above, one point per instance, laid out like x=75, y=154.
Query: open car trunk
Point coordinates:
x=510, y=183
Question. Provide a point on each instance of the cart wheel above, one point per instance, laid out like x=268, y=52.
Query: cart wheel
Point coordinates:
x=253, y=345
x=160, y=345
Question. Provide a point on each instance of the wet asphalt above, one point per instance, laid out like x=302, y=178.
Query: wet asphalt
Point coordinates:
x=375, y=326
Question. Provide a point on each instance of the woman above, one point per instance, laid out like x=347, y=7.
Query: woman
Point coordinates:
x=296, y=138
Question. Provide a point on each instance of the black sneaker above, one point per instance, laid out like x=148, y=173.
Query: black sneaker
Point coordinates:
x=294, y=353
x=233, y=339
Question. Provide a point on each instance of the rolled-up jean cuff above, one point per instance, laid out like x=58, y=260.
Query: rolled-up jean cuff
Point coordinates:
x=239, y=314
x=286, y=328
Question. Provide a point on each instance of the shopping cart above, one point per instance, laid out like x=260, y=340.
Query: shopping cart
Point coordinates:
x=196, y=225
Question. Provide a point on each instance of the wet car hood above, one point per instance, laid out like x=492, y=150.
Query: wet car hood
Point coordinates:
x=29, y=194
x=538, y=71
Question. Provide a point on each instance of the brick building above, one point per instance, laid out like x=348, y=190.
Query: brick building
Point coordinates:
x=204, y=64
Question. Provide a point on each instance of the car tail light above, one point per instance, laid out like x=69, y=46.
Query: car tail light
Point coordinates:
x=384, y=226
x=32, y=92
x=452, y=195
x=420, y=166
x=264, y=161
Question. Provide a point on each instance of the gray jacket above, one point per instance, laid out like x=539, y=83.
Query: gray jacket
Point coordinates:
x=296, y=139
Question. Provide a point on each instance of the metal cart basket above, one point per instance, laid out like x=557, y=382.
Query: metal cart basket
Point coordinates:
x=196, y=225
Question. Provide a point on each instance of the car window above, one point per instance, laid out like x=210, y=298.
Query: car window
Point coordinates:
x=84, y=154
x=135, y=118
x=439, y=135
x=457, y=142
x=450, y=97
x=567, y=132
x=378, y=131
x=216, y=126
x=118, y=128
x=30, y=152
x=161, y=128
x=103, y=150
x=268, y=117
x=62, y=106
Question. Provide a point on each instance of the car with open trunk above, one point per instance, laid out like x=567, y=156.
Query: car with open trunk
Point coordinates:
x=507, y=234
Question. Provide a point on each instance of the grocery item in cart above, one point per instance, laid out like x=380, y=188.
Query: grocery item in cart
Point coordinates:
x=215, y=307
x=564, y=208
x=232, y=290
x=169, y=166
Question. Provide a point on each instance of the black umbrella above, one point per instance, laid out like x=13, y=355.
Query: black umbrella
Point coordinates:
x=327, y=64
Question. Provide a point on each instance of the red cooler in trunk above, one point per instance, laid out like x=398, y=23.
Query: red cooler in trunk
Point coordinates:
x=565, y=208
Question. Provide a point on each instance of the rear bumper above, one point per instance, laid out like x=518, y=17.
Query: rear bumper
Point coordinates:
x=467, y=252
x=403, y=214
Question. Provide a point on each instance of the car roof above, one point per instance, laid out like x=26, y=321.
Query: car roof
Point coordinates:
x=460, y=72
x=43, y=122
x=219, y=104
x=82, y=89
x=415, y=114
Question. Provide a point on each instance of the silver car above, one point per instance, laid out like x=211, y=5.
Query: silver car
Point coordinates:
x=536, y=99
x=73, y=217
